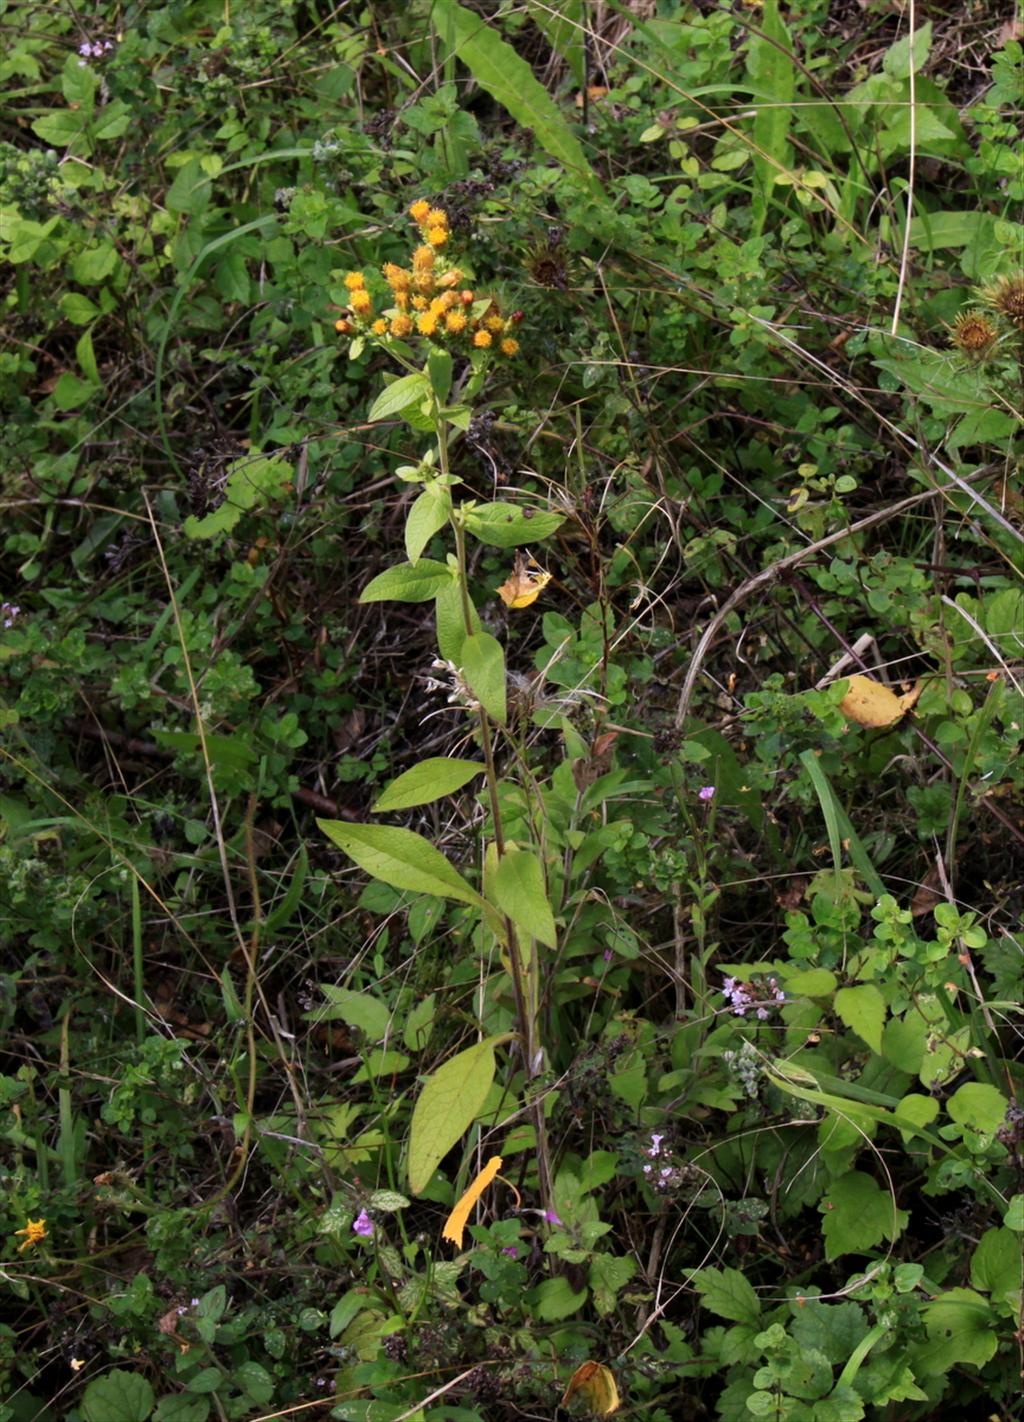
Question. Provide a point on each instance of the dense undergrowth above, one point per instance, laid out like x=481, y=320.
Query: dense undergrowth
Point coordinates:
x=455, y=461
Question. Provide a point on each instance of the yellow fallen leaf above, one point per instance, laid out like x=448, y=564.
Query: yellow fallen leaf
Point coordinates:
x=871, y=704
x=594, y=1385
x=456, y=1221
x=523, y=586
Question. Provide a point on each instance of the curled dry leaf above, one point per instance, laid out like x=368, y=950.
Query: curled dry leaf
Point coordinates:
x=871, y=704
x=593, y=1384
x=524, y=585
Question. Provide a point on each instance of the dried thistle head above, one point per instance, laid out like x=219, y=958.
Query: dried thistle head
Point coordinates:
x=973, y=334
x=1006, y=295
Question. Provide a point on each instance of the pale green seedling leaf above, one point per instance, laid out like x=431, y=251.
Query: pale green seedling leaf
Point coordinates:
x=400, y=858
x=979, y=1107
x=449, y=1103
x=359, y=1009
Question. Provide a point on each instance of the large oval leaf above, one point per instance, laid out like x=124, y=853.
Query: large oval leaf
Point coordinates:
x=440, y=775
x=406, y=582
x=517, y=888
x=447, y=1106
x=400, y=858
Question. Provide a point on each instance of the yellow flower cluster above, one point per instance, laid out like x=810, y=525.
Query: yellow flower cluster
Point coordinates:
x=428, y=298
x=34, y=1232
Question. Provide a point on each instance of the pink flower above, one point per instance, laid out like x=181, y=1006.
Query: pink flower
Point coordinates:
x=706, y=793
x=362, y=1225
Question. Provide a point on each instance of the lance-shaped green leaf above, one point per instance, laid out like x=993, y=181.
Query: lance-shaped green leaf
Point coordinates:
x=449, y=1103
x=399, y=395
x=408, y=582
x=429, y=780
x=497, y=68
x=451, y=621
x=428, y=514
x=504, y=525
x=483, y=667
x=517, y=887
x=400, y=858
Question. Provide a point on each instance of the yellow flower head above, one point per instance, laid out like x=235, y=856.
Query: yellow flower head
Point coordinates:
x=436, y=217
x=451, y=278
x=482, y=339
x=426, y=323
x=379, y=327
x=423, y=259
x=425, y=284
x=362, y=304
x=437, y=236
x=494, y=323
x=509, y=347
x=419, y=303
x=455, y=322
x=354, y=280
x=402, y=300
x=34, y=1232
x=419, y=209
x=397, y=277
x=401, y=325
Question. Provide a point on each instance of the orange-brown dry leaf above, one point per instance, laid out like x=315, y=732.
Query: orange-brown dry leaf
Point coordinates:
x=457, y=1220
x=523, y=586
x=594, y=1385
x=871, y=704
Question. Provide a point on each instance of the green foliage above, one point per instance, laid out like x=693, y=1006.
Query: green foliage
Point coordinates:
x=716, y=364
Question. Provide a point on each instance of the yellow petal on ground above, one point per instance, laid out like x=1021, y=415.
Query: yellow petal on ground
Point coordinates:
x=594, y=1385
x=457, y=1220
x=523, y=587
x=871, y=704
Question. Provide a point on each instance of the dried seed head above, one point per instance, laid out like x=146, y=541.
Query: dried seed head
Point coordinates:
x=973, y=333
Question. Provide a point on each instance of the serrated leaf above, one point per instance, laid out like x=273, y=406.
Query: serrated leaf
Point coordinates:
x=517, y=888
x=727, y=1293
x=450, y=1101
x=427, y=781
x=483, y=667
x=401, y=393
x=406, y=582
x=858, y=1215
x=400, y=858
x=497, y=68
x=961, y=1329
x=118, y=1396
x=862, y=1009
x=504, y=525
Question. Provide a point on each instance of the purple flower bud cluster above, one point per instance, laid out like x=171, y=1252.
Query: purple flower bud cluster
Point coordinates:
x=741, y=997
x=666, y=1176
x=8, y=613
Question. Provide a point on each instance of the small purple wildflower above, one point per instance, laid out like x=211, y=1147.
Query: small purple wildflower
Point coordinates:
x=511, y=1251
x=8, y=613
x=362, y=1225
x=607, y=955
x=552, y=1217
x=706, y=793
x=656, y=1141
x=195, y=1302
